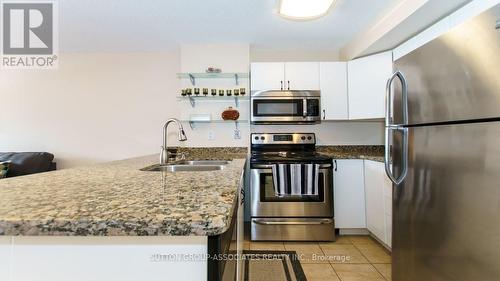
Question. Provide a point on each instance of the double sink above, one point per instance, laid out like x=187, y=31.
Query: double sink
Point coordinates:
x=188, y=166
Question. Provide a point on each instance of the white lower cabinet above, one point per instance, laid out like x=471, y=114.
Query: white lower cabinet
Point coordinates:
x=363, y=198
x=5, y=250
x=374, y=189
x=349, y=194
x=378, y=194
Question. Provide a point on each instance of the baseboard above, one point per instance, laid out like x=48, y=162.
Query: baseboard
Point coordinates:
x=354, y=231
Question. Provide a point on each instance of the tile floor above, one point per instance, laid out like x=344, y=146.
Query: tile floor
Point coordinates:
x=350, y=258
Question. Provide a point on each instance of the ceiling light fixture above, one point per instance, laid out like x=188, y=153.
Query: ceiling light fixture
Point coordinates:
x=304, y=9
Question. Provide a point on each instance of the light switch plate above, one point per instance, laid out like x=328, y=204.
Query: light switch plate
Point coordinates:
x=237, y=134
x=211, y=135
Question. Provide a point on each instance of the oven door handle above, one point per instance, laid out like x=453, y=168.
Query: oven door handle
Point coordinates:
x=264, y=166
x=288, y=222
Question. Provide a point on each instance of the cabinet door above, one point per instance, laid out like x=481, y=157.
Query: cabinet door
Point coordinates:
x=302, y=75
x=349, y=194
x=374, y=189
x=267, y=76
x=367, y=79
x=333, y=85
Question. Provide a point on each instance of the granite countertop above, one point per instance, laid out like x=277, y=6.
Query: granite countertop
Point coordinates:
x=368, y=152
x=117, y=199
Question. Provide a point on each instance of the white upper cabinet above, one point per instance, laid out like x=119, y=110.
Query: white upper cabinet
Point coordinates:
x=284, y=76
x=333, y=85
x=367, y=82
x=302, y=76
x=267, y=76
x=349, y=194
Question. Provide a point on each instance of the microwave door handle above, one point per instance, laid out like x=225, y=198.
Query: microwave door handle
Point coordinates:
x=304, y=108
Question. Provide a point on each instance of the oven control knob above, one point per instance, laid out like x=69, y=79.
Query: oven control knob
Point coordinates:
x=262, y=138
x=303, y=138
x=256, y=138
x=309, y=138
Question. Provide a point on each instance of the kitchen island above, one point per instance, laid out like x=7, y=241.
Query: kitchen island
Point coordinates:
x=114, y=222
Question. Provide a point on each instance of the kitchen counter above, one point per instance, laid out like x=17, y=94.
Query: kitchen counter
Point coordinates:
x=117, y=199
x=368, y=152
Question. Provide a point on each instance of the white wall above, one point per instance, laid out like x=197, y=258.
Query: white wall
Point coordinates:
x=257, y=55
x=95, y=107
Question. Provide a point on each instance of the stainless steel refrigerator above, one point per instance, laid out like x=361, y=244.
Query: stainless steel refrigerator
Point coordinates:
x=443, y=155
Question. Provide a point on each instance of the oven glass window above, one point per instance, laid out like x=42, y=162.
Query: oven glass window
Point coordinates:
x=278, y=107
x=268, y=194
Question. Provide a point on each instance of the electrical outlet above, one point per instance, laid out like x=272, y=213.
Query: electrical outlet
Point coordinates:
x=211, y=135
x=237, y=134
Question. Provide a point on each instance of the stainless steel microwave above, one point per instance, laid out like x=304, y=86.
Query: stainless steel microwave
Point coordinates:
x=274, y=107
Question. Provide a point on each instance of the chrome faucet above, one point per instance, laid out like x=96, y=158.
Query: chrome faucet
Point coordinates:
x=182, y=137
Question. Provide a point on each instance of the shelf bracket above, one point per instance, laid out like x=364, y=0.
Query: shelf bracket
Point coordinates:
x=192, y=101
x=236, y=102
x=191, y=77
x=236, y=78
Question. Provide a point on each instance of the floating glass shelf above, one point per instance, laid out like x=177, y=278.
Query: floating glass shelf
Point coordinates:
x=193, y=98
x=217, y=121
x=194, y=76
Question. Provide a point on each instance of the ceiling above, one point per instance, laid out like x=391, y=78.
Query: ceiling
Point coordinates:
x=156, y=25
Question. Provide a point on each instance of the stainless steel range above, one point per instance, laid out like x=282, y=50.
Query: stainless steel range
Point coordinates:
x=291, y=189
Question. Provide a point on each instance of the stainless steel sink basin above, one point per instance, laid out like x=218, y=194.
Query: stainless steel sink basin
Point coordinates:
x=188, y=166
x=201, y=162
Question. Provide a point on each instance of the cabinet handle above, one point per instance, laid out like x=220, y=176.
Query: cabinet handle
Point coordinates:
x=288, y=84
x=324, y=114
x=281, y=82
x=335, y=165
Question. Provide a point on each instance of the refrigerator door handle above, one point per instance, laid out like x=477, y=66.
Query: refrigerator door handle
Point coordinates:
x=390, y=127
x=387, y=156
x=388, y=99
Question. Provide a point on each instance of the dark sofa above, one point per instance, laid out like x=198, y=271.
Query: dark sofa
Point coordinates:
x=26, y=163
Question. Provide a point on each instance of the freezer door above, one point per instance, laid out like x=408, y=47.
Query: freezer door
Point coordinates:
x=454, y=77
x=446, y=212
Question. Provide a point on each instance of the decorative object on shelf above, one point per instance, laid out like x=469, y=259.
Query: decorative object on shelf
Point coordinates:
x=234, y=75
x=183, y=92
x=236, y=92
x=228, y=93
x=213, y=70
x=199, y=118
x=213, y=92
x=230, y=114
x=205, y=91
x=242, y=91
x=221, y=93
x=197, y=91
x=189, y=92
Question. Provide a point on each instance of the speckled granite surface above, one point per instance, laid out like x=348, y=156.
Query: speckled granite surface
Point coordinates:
x=369, y=152
x=116, y=199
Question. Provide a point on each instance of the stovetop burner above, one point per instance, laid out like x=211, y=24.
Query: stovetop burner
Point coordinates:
x=286, y=148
